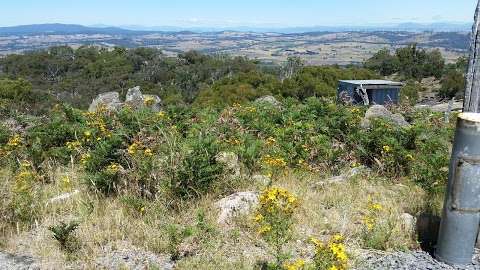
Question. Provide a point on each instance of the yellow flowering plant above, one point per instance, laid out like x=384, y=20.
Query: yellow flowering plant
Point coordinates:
x=24, y=204
x=274, y=219
x=376, y=229
x=331, y=255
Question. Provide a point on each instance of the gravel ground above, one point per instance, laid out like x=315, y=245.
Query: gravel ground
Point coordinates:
x=134, y=258
x=418, y=260
x=11, y=262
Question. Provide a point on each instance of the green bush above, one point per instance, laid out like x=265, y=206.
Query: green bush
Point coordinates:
x=197, y=170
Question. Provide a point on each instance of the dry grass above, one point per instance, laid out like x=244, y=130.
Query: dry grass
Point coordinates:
x=327, y=209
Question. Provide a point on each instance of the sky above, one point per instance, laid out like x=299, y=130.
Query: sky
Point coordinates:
x=226, y=13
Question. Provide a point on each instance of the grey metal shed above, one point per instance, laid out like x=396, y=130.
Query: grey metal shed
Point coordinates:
x=369, y=92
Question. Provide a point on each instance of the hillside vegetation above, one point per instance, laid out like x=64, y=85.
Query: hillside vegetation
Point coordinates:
x=326, y=187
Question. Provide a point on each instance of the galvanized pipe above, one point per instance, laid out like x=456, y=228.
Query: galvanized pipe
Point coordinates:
x=461, y=213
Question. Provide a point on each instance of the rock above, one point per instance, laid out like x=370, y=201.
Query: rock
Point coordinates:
x=442, y=107
x=379, y=111
x=110, y=100
x=357, y=171
x=134, y=97
x=64, y=196
x=153, y=101
x=230, y=161
x=262, y=180
x=137, y=100
x=13, y=125
x=269, y=100
x=408, y=222
x=123, y=255
x=344, y=176
x=240, y=203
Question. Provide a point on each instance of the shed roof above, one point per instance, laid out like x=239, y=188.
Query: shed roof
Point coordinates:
x=372, y=82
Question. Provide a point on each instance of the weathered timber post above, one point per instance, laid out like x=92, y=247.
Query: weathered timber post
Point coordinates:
x=471, y=102
x=461, y=213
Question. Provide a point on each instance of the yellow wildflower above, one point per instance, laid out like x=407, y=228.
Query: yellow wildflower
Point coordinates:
x=84, y=159
x=15, y=141
x=148, y=152
x=132, y=149
x=66, y=180
x=113, y=168
x=265, y=229
x=148, y=101
x=270, y=141
x=387, y=149
x=161, y=114
x=297, y=265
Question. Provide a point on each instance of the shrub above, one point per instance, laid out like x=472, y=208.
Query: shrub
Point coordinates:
x=63, y=234
x=377, y=230
x=274, y=218
x=197, y=170
x=410, y=92
x=24, y=202
x=331, y=255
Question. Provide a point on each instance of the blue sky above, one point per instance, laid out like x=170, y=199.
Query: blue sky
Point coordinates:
x=233, y=12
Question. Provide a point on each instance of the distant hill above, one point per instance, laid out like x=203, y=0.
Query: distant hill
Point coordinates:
x=61, y=29
x=411, y=27
x=56, y=28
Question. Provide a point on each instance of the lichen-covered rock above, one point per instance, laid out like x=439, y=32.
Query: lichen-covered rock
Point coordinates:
x=137, y=100
x=379, y=111
x=408, y=222
x=134, y=97
x=240, y=203
x=109, y=100
x=153, y=101
x=230, y=161
x=269, y=100
x=262, y=180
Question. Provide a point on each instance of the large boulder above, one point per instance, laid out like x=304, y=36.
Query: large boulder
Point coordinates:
x=134, y=97
x=269, y=100
x=379, y=111
x=137, y=100
x=109, y=101
x=230, y=161
x=241, y=203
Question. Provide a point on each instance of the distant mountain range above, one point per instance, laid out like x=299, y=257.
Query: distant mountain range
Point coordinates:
x=62, y=29
x=134, y=29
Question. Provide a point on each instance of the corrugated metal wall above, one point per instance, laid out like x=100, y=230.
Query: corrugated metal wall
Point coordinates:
x=377, y=96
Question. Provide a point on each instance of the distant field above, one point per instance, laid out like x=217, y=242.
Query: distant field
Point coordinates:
x=323, y=48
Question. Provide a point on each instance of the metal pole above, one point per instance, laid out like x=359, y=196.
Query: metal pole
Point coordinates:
x=461, y=212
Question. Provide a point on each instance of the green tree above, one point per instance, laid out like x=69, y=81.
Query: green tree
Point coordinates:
x=410, y=92
x=383, y=62
x=453, y=84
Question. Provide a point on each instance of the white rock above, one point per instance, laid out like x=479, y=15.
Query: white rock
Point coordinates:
x=269, y=100
x=261, y=179
x=240, y=203
x=230, y=161
x=408, y=222
x=379, y=111
x=110, y=100
x=136, y=99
